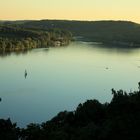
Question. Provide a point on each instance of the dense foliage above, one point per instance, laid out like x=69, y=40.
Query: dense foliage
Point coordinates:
x=17, y=38
x=111, y=32
x=119, y=119
x=44, y=32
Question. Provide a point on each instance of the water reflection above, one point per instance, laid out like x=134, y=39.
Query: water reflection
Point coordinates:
x=7, y=53
x=114, y=48
x=98, y=46
x=23, y=52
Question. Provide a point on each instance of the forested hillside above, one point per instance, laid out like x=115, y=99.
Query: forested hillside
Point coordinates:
x=120, y=33
x=123, y=33
x=19, y=38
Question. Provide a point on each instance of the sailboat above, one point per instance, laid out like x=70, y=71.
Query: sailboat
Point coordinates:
x=25, y=74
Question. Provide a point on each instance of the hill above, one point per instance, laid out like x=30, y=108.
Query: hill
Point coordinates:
x=118, y=33
x=124, y=33
x=20, y=38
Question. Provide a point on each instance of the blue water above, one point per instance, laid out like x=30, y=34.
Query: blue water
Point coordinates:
x=60, y=78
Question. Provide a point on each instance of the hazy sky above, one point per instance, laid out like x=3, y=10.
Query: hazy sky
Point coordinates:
x=70, y=9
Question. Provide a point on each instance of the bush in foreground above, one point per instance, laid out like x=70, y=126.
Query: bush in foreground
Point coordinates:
x=119, y=119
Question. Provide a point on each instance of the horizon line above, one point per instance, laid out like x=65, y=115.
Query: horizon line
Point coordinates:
x=4, y=20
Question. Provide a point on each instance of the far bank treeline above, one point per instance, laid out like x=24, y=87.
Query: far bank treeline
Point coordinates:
x=15, y=35
x=14, y=38
x=120, y=33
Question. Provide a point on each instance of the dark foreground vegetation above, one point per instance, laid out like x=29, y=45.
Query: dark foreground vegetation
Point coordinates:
x=119, y=119
x=15, y=38
x=120, y=33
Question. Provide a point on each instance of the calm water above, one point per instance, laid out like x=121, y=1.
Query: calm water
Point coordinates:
x=60, y=78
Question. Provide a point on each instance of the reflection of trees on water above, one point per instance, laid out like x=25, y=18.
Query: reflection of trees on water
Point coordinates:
x=23, y=52
x=8, y=53
x=111, y=48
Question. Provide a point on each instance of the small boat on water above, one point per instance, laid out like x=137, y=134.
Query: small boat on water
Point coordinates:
x=25, y=74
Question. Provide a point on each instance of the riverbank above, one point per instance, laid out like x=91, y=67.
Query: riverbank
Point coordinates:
x=19, y=39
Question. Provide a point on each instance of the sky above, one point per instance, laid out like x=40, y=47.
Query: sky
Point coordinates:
x=70, y=9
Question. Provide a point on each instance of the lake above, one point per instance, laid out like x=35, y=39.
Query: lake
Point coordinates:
x=60, y=78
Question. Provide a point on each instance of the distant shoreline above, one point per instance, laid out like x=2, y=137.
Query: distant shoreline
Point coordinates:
x=20, y=35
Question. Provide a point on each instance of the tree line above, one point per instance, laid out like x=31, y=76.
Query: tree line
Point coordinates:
x=17, y=38
x=119, y=119
x=120, y=33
